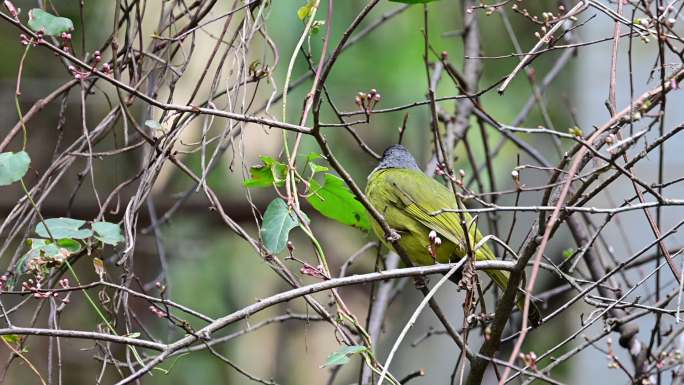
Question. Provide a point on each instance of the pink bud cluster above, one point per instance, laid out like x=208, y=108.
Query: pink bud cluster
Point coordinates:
x=64, y=283
x=530, y=360
x=311, y=271
x=12, y=9
x=367, y=101
x=443, y=171
x=26, y=40
x=36, y=286
x=156, y=311
x=66, y=41
x=78, y=73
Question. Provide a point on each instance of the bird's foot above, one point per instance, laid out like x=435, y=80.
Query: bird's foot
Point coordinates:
x=393, y=236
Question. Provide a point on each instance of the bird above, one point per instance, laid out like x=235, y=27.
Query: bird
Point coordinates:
x=412, y=204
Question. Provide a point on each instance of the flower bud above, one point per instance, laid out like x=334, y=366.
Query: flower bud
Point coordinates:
x=437, y=241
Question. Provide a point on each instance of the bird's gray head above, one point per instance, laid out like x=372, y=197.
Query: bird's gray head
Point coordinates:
x=397, y=156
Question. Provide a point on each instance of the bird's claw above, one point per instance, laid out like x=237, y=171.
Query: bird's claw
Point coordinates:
x=393, y=236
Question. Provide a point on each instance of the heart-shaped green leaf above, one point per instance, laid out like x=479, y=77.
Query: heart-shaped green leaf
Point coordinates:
x=334, y=200
x=109, y=233
x=278, y=221
x=63, y=228
x=51, y=25
x=13, y=166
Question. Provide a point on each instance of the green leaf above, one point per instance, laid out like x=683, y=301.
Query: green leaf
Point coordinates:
x=107, y=232
x=315, y=168
x=72, y=245
x=13, y=166
x=567, y=253
x=34, y=243
x=39, y=246
x=335, y=201
x=153, y=124
x=278, y=221
x=63, y=228
x=52, y=249
x=49, y=249
x=12, y=338
x=51, y=25
x=413, y=1
x=316, y=26
x=341, y=356
x=43, y=253
x=266, y=174
x=306, y=10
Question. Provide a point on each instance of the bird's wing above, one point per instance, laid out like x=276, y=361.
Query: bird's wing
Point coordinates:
x=423, y=198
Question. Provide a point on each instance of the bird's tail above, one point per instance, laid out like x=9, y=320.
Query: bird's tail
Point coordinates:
x=500, y=277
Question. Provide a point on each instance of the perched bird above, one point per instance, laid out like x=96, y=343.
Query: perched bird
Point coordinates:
x=410, y=202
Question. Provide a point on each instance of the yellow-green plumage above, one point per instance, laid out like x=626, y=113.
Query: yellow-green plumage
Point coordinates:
x=411, y=203
x=408, y=199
